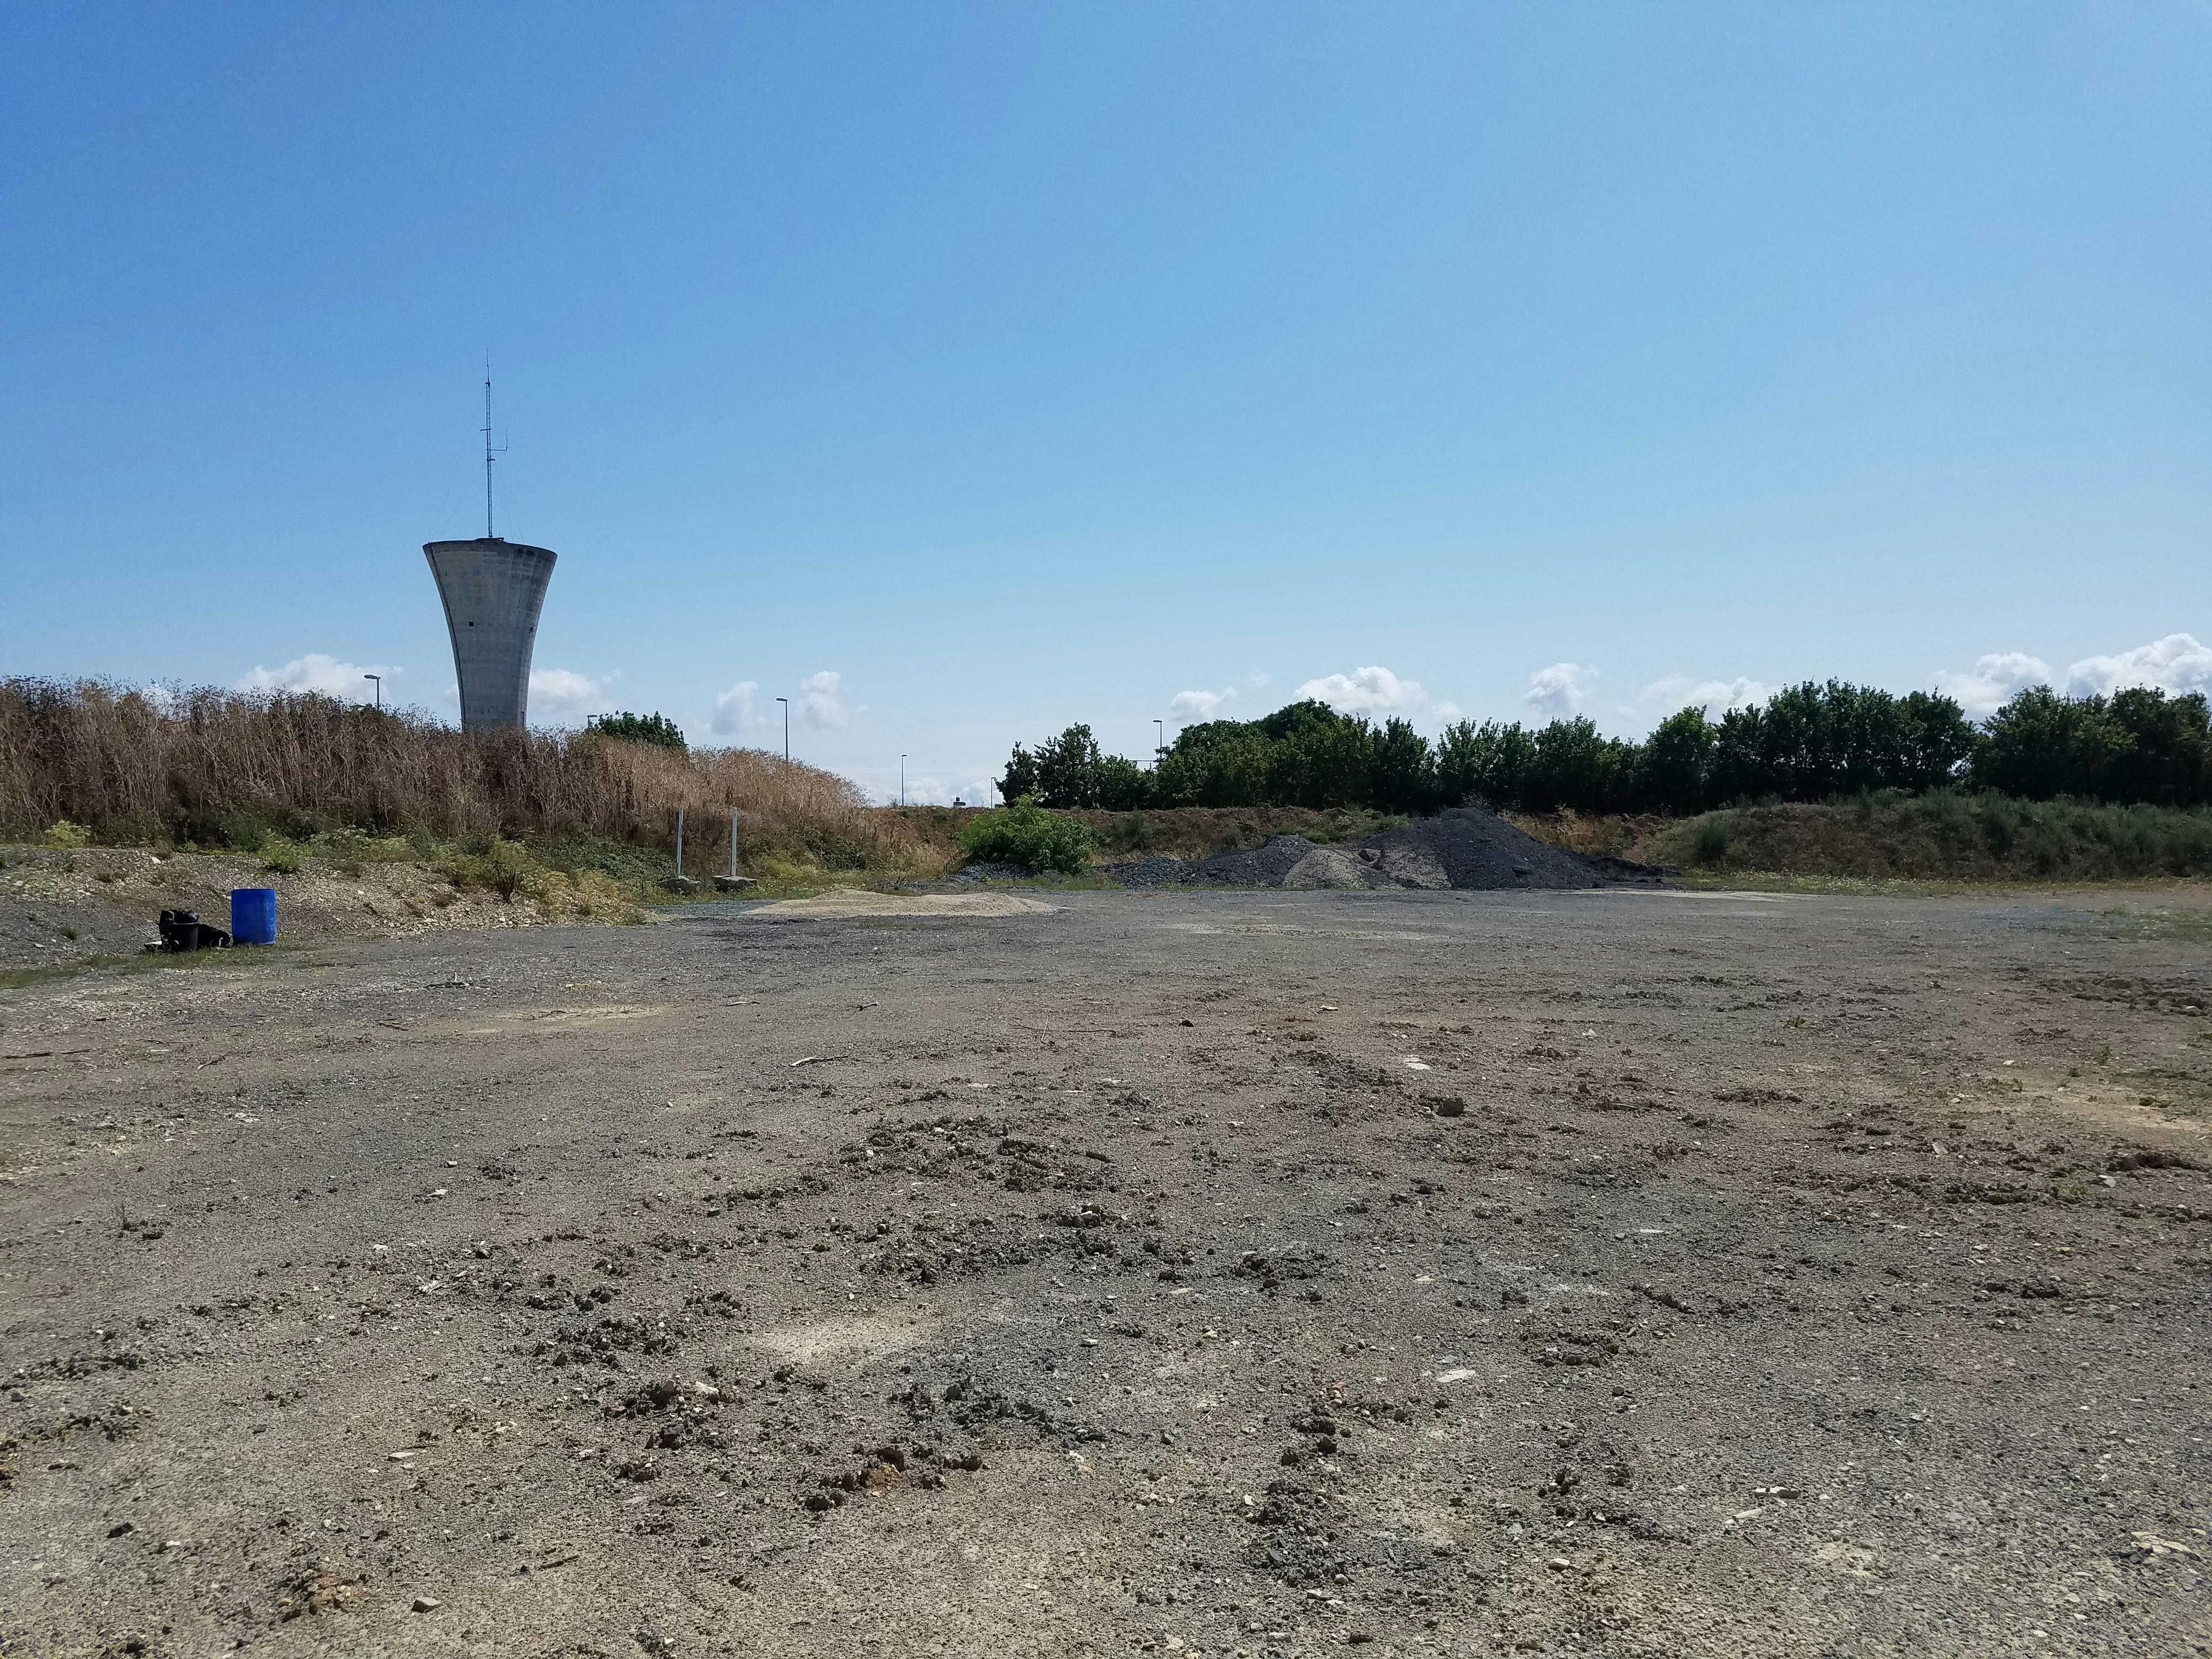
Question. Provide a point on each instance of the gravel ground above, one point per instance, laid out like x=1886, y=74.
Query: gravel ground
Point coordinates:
x=1602, y=1273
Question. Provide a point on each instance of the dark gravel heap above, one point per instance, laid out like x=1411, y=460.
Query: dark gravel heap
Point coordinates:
x=1258, y=867
x=1462, y=848
x=1159, y=870
x=1478, y=850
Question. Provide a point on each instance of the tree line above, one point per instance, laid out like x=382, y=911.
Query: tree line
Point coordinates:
x=1806, y=743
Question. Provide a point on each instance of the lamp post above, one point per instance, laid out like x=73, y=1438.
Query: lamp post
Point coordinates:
x=379, y=679
x=1161, y=747
x=785, y=702
x=902, y=779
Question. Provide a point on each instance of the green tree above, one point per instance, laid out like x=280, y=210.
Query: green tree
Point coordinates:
x=1122, y=785
x=656, y=729
x=1317, y=756
x=1939, y=742
x=2041, y=744
x=1487, y=763
x=1021, y=776
x=1576, y=766
x=2168, y=760
x=1402, y=772
x=1674, y=770
x=1214, y=763
x=1067, y=769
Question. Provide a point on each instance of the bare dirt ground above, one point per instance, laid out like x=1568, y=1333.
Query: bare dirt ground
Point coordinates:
x=1588, y=1272
x=59, y=907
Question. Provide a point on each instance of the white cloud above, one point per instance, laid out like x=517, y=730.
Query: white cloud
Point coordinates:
x=822, y=701
x=1558, y=691
x=1447, y=712
x=1194, y=705
x=2179, y=663
x=559, y=694
x=1994, y=680
x=733, y=709
x=1671, y=693
x=1366, y=691
x=316, y=672
x=924, y=789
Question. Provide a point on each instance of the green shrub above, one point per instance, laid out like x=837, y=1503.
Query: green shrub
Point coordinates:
x=1131, y=833
x=283, y=858
x=343, y=848
x=65, y=834
x=1708, y=845
x=504, y=866
x=1025, y=834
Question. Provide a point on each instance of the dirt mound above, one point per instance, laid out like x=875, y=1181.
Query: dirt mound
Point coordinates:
x=1464, y=848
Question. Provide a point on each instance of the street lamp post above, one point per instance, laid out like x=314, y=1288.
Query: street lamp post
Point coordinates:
x=1161, y=747
x=902, y=779
x=785, y=702
x=379, y=679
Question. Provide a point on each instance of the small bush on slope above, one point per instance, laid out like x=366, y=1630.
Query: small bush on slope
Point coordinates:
x=1025, y=834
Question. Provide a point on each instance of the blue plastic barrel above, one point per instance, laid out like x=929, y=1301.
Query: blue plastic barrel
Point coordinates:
x=253, y=916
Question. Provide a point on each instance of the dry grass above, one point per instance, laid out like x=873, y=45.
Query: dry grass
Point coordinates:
x=225, y=768
x=1944, y=836
x=1599, y=835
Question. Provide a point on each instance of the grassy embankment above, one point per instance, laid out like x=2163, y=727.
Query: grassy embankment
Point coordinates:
x=1945, y=836
x=575, y=822
x=1938, y=838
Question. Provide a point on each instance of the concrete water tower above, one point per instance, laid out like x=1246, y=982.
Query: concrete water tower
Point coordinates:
x=492, y=590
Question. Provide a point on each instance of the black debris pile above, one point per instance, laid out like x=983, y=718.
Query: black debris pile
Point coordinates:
x=183, y=930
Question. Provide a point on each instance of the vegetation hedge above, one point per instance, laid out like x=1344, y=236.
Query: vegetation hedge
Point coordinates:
x=1807, y=742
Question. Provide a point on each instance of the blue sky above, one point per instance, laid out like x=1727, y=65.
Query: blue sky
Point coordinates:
x=959, y=371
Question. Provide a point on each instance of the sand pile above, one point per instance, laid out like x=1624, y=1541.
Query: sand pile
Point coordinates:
x=1464, y=848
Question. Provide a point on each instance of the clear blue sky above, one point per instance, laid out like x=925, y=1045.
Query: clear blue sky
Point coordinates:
x=1018, y=364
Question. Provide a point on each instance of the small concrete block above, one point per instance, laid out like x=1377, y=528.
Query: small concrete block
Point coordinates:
x=679, y=883
x=733, y=883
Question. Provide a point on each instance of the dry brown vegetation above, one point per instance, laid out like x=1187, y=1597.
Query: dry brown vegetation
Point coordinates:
x=226, y=768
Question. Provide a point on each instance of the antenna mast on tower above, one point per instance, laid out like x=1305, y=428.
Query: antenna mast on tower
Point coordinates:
x=489, y=450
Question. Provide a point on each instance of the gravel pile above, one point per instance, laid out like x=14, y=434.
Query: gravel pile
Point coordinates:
x=1464, y=848
x=1260, y=866
x=1159, y=870
x=1473, y=848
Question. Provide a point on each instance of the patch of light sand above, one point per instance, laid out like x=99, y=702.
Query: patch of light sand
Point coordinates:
x=858, y=1340
x=859, y=902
